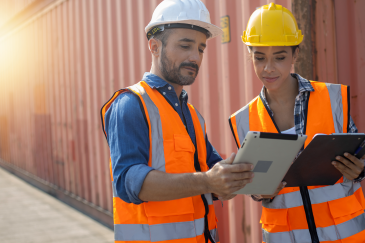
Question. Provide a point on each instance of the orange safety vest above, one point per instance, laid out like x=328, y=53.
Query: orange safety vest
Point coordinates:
x=188, y=220
x=331, y=213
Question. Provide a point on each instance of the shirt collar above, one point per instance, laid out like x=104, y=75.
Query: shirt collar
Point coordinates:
x=155, y=82
x=303, y=85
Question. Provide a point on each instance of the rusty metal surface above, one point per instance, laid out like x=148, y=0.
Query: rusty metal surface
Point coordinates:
x=57, y=70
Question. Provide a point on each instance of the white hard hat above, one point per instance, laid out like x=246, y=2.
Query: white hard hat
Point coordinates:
x=191, y=14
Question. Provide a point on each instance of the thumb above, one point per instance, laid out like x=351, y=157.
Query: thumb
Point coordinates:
x=230, y=159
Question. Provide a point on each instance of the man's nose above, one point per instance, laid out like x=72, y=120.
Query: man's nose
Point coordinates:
x=195, y=57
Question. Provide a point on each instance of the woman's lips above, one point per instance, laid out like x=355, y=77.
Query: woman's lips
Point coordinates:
x=270, y=80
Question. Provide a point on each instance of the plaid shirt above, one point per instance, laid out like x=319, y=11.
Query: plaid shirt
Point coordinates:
x=299, y=111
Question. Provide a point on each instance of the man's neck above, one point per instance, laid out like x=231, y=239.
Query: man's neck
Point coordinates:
x=178, y=88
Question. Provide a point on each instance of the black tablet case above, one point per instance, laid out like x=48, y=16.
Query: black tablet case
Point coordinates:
x=314, y=166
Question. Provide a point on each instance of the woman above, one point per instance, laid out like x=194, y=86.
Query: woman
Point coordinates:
x=306, y=214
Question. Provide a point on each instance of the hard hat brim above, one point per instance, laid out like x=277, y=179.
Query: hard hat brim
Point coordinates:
x=213, y=29
x=273, y=44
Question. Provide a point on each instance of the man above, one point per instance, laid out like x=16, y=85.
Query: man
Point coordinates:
x=160, y=153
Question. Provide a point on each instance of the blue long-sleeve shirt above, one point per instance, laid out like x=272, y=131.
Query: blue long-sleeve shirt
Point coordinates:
x=128, y=137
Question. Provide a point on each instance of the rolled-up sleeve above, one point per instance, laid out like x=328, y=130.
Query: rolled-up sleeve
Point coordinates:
x=128, y=139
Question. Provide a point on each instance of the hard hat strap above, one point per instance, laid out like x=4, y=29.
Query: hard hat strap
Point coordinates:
x=159, y=28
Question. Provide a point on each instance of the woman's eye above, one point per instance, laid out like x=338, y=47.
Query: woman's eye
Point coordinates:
x=280, y=58
x=201, y=51
x=185, y=47
x=259, y=58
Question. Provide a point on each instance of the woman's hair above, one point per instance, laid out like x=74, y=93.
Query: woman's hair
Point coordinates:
x=293, y=48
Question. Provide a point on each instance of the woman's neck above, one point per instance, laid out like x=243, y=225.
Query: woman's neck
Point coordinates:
x=286, y=93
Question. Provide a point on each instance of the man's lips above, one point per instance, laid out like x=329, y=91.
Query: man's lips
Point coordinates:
x=190, y=69
x=270, y=79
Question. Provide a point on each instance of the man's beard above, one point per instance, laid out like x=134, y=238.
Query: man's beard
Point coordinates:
x=173, y=74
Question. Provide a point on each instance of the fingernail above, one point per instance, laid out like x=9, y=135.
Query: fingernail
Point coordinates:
x=346, y=154
x=251, y=167
x=284, y=183
x=333, y=162
x=338, y=157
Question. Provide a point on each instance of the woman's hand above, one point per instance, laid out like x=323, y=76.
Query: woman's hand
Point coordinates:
x=350, y=167
x=281, y=186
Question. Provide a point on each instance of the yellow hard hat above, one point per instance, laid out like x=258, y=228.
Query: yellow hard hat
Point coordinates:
x=272, y=25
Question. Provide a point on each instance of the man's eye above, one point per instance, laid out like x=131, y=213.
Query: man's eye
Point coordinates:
x=201, y=51
x=185, y=47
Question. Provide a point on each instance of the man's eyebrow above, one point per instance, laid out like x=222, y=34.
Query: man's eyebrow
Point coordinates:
x=187, y=40
x=192, y=41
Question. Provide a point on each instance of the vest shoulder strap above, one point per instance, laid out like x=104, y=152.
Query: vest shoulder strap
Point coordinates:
x=135, y=89
x=241, y=117
x=339, y=95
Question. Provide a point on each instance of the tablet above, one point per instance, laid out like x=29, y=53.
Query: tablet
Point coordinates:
x=271, y=155
x=314, y=165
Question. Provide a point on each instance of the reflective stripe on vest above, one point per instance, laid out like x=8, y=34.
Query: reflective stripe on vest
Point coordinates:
x=174, y=219
x=336, y=207
x=317, y=195
x=342, y=231
x=158, y=158
x=161, y=232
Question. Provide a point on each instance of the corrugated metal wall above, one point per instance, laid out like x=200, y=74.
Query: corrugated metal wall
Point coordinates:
x=8, y=9
x=58, y=68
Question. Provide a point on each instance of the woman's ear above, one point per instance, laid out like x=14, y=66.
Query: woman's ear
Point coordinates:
x=295, y=55
x=154, y=46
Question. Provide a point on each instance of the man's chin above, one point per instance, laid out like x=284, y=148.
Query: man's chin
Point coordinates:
x=189, y=81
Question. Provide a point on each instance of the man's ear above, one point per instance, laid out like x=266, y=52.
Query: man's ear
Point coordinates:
x=154, y=46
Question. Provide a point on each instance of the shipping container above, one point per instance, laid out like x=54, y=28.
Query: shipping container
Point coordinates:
x=61, y=60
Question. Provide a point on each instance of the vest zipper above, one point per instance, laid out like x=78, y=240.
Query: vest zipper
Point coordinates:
x=309, y=214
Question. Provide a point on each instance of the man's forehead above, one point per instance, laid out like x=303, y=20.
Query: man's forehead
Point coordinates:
x=188, y=35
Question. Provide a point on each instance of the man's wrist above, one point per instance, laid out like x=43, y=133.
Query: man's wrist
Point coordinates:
x=203, y=181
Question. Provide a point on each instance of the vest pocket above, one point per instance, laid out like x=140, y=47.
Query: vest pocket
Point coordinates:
x=274, y=220
x=179, y=154
x=345, y=208
x=169, y=208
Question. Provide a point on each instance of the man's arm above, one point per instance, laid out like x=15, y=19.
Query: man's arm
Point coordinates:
x=223, y=179
x=128, y=139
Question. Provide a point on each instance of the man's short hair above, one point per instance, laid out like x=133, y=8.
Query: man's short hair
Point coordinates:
x=163, y=36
